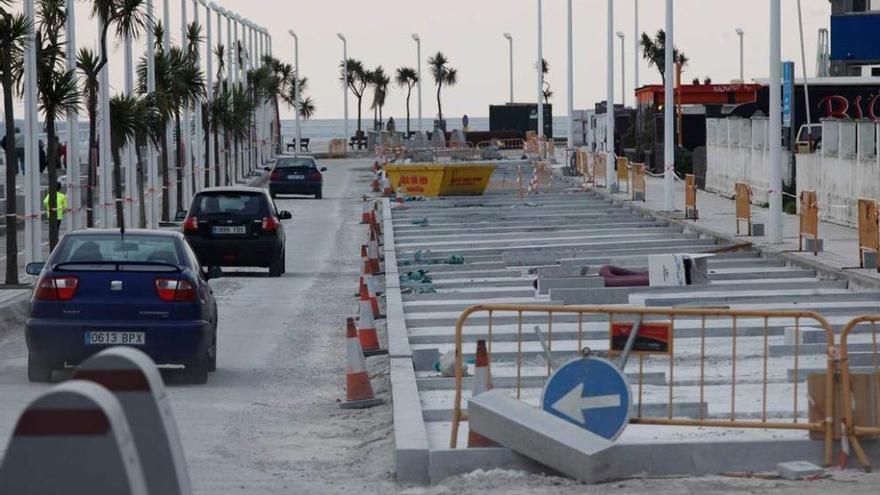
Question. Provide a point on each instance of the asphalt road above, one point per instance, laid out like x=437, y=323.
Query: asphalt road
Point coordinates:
x=268, y=420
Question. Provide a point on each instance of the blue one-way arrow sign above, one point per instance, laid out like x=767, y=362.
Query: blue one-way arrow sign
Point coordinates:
x=591, y=393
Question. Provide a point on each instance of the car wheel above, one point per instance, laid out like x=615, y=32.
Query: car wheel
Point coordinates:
x=212, y=356
x=319, y=195
x=39, y=370
x=277, y=267
x=197, y=370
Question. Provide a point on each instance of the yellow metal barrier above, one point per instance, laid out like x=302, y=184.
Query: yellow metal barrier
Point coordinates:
x=709, y=343
x=860, y=411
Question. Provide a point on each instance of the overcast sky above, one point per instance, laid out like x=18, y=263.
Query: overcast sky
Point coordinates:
x=469, y=32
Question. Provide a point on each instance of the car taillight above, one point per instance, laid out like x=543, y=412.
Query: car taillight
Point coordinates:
x=191, y=224
x=172, y=289
x=316, y=176
x=270, y=224
x=56, y=288
x=276, y=175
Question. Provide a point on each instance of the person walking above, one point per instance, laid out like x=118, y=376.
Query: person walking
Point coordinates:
x=60, y=203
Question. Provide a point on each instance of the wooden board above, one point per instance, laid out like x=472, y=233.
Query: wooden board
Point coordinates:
x=690, y=196
x=638, y=180
x=869, y=232
x=809, y=217
x=623, y=171
x=743, y=206
x=866, y=401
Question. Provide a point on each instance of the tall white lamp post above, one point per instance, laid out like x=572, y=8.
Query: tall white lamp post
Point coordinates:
x=741, y=34
x=344, y=78
x=510, y=51
x=419, y=72
x=296, y=89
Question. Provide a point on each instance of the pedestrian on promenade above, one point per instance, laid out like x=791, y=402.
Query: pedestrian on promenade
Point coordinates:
x=60, y=203
x=42, y=157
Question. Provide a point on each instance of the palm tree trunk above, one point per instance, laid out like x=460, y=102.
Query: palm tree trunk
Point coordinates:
x=93, y=167
x=439, y=104
x=52, y=166
x=11, y=170
x=408, y=94
x=181, y=160
x=278, y=144
x=163, y=141
x=142, y=220
x=117, y=187
x=360, y=98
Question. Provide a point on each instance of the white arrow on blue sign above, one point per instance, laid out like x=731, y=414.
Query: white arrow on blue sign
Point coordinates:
x=591, y=393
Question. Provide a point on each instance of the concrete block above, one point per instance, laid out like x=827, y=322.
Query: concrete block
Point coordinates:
x=807, y=335
x=135, y=381
x=757, y=230
x=410, y=437
x=572, y=270
x=424, y=359
x=536, y=434
x=870, y=259
x=798, y=470
x=73, y=438
x=545, y=284
x=814, y=245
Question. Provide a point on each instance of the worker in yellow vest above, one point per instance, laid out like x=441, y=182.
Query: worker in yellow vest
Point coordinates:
x=60, y=203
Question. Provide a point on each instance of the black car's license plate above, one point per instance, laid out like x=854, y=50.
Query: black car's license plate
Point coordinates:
x=229, y=230
x=115, y=338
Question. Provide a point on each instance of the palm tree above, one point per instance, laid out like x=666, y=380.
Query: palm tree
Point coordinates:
x=654, y=51
x=545, y=86
x=14, y=30
x=443, y=74
x=57, y=92
x=123, y=114
x=126, y=17
x=307, y=108
x=407, y=78
x=87, y=63
x=146, y=129
x=379, y=80
x=357, y=82
x=277, y=88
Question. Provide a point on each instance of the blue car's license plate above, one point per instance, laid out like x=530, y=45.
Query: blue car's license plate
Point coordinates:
x=115, y=338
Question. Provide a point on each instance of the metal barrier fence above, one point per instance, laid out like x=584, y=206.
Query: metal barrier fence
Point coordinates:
x=710, y=364
x=862, y=419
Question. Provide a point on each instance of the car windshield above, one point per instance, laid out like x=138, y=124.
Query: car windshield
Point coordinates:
x=295, y=164
x=111, y=248
x=235, y=204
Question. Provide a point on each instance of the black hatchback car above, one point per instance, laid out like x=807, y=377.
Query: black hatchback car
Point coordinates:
x=236, y=226
x=297, y=175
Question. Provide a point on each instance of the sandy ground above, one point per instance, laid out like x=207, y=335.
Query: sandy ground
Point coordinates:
x=268, y=422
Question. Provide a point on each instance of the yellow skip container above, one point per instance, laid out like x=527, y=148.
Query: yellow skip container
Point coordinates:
x=464, y=179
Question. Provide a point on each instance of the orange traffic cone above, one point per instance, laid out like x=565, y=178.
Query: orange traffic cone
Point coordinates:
x=365, y=295
x=373, y=253
x=358, y=389
x=367, y=328
x=374, y=186
x=387, y=190
x=365, y=212
x=375, y=166
x=482, y=383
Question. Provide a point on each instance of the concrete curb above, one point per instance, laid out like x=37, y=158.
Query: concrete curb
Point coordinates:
x=411, y=450
x=14, y=312
x=854, y=279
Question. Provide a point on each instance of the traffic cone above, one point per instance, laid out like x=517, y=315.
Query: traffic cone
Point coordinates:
x=374, y=186
x=482, y=383
x=365, y=294
x=373, y=253
x=375, y=166
x=365, y=212
x=366, y=326
x=387, y=190
x=358, y=389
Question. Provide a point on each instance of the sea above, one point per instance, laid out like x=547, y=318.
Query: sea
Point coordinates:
x=325, y=129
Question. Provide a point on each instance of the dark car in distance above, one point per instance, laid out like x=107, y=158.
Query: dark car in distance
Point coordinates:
x=138, y=288
x=236, y=226
x=297, y=175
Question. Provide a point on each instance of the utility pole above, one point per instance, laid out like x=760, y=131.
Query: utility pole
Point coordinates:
x=152, y=205
x=74, y=187
x=775, y=136
x=668, y=114
x=540, y=132
x=611, y=176
x=570, y=79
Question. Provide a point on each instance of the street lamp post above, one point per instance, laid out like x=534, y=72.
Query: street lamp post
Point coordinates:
x=185, y=144
x=610, y=176
x=173, y=158
x=637, y=53
x=741, y=33
x=344, y=78
x=570, y=80
x=209, y=59
x=199, y=178
x=296, y=89
x=540, y=68
x=33, y=225
x=622, y=67
x=775, y=172
x=129, y=157
x=510, y=44
x=152, y=211
x=668, y=117
x=419, y=71
x=73, y=174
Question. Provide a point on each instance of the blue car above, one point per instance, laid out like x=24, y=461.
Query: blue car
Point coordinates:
x=139, y=288
x=297, y=175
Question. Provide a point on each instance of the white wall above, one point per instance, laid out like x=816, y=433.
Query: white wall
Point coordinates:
x=846, y=169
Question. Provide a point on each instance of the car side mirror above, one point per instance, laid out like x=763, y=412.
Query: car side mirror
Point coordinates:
x=284, y=215
x=323, y=169
x=212, y=273
x=267, y=169
x=34, y=268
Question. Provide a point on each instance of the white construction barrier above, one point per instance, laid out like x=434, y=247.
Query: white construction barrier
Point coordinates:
x=72, y=439
x=134, y=379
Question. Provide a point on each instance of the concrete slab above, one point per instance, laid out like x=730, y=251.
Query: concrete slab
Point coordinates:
x=410, y=438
